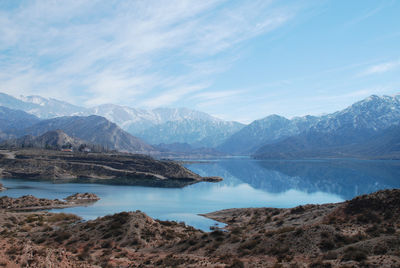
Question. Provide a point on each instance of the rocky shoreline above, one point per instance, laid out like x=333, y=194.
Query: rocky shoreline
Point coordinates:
x=362, y=232
x=30, y=203
x=107, y=168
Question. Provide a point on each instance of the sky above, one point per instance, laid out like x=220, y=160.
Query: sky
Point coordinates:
x=237, y=60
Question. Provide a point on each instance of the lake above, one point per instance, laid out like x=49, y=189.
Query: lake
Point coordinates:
x=247, y=183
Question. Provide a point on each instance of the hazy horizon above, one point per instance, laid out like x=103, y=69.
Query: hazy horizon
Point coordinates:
x=236, y=60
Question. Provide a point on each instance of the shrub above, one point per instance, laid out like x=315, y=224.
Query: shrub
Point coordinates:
x=285, y=230
x=62, y=236
x=62, y=217
x=217, y=233
x=236, y=264
x=354, y=254
x=297, y=210
x=331, y=255
x=320, y=264
x=249, y=244
x=326, y=244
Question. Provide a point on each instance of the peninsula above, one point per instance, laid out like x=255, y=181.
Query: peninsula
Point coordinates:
x=107, y=168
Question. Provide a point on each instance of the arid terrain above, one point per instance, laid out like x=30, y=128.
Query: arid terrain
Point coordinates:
x=363, y=232
x=108, y=168
x=29, y=202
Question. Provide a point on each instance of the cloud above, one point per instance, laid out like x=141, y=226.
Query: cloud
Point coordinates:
x=129, y=52
x=381, y=68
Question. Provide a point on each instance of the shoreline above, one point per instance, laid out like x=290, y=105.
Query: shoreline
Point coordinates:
x=359, y=232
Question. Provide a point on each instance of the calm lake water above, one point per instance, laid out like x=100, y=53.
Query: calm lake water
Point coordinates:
x=247, y=183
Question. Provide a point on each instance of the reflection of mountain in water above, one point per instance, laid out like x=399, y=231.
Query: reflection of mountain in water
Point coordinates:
x=346, y=178
x=216, y=169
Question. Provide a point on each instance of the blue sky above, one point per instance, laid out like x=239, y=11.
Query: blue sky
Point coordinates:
x=238, y=60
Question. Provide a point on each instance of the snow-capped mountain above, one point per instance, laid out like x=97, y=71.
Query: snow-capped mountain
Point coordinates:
x=197, y=132
x=40, y=107
x=161, y=125
x=367, y=128
x=374, y=112
x=170, y=125
x=50, y=108
x=137, y=120
x=364, y=117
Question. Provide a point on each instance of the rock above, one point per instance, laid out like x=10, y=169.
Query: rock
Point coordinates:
x=213, y=179
x=82, y=198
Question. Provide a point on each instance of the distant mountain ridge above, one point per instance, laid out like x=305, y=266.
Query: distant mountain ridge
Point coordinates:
x=359, y=121
x=198, y=133
x=185, y=125
x=369, y=128
x=93, y=129
x=170, y=125
x=264, y=131
x=40, y=107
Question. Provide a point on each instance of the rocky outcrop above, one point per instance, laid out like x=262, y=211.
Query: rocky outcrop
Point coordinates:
x=29, y=202
x=80, y=198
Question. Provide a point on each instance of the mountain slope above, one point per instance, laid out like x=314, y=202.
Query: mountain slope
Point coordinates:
x=384, y=144
x=196, y=132
x=56, y=139
x=41, y=107
x=267, y=130
x=93, y=129
x=49, y=108
x=170, y=125
x=14, y=119
x=368, y=128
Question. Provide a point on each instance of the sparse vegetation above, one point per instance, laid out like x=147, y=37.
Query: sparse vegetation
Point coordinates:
x=282, y=242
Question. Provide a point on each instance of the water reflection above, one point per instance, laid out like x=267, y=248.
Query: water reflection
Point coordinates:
x=345, y=178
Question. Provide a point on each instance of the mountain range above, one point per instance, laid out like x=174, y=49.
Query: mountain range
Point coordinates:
x=368, y=128
x=180, y=125
x=95, y=130
x=264, y=131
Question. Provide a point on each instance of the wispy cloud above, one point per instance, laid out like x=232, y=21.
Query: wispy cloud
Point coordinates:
x=381, y=68
x=148, y=53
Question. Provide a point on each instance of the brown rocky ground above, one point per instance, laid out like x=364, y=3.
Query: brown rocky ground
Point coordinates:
x=109, y=168
x=363, y=232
